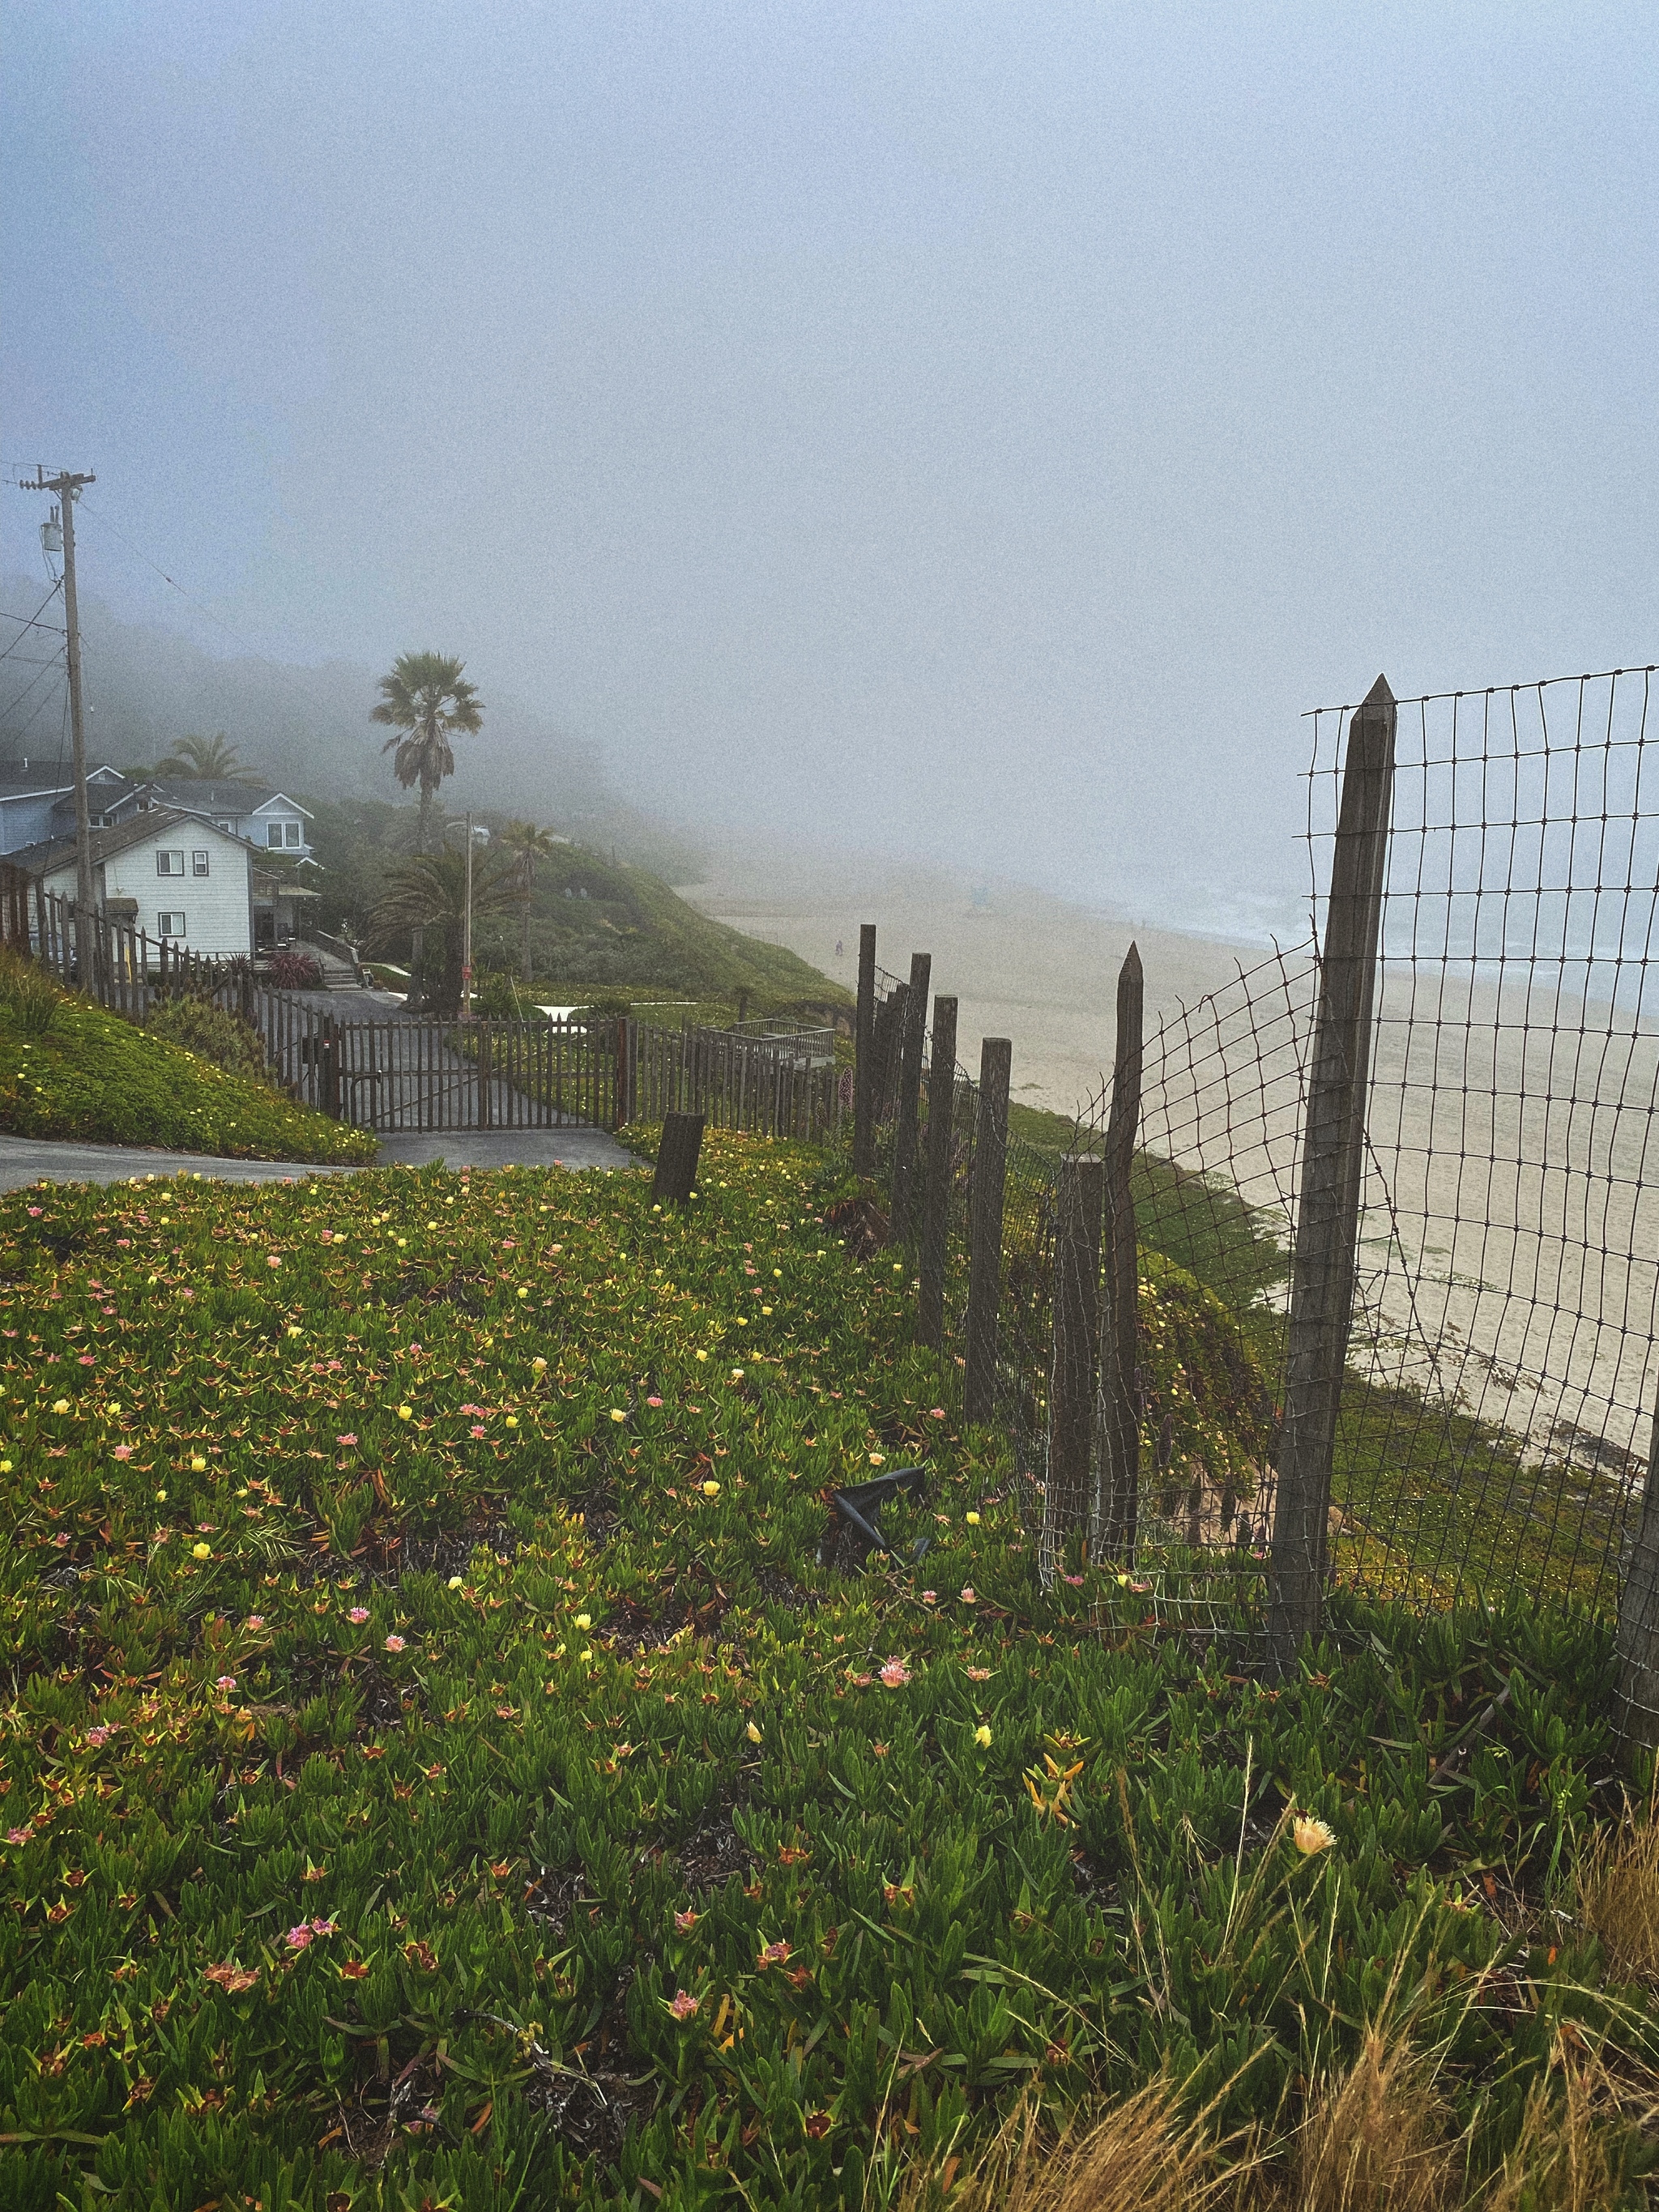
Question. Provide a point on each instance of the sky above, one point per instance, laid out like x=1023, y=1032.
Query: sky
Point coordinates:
x=977, y=432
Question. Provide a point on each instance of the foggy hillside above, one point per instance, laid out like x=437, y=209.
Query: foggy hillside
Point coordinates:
x=306, y=729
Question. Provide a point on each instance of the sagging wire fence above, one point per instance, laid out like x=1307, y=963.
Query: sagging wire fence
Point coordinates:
x=1346, y=1275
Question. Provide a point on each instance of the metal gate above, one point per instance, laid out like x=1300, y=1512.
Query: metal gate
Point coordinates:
x=412, y=1075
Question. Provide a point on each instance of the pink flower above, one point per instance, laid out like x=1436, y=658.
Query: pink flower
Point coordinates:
x=299, y=1938
x=1076, y=1581
x=682, y=2004
x=271, y=1260
x=968, y=1597
x=477, y=1429
x=324, y=1927
x=394, y=1644
x=123, y=1451
x=937, y=1414
x=227, y=1683
x=97, y=1737
x=254, y=1620
x=60, y=1541
x=895, y=1674
x=88, y=1360
x=861, y=1681
x=359, y=1614
x=345, y=1440
x=22, y=1835
x=774, y=1954
x=930, y=1597
x=653, y=1401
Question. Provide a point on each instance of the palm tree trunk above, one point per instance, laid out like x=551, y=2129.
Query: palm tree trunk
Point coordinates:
x=417, y=936
x=526, y=922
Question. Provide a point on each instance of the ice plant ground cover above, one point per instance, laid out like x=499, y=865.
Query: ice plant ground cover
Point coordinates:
x=436, y=1775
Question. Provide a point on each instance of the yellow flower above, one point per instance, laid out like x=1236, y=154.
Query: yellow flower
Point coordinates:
x=293, y=1331
x=982, y=1736
x=60, y=1405
x=711, y=1490
x=702, y=1355
x=766, y=1309
x=197, y=1464
x=877, y=1459
x=161, y=1496
x=523, y=1293
x=743, y=1321
x=512, y=1420
x=454, y=1581
x=1311, y=1835
x=752, y=1733
x=973, y=1520
x=538, y=1363
x=403, y=1412
x=617, y=1415
x=201, y=1551
x=584, y=1620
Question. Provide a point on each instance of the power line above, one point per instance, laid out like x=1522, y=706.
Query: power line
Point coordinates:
x=33, y=621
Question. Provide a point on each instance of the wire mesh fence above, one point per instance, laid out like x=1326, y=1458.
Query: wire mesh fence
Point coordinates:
x=1492, y=1337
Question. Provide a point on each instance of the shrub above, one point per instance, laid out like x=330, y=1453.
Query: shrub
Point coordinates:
x=29, y=992
x=212, y=1033
x=295, y=971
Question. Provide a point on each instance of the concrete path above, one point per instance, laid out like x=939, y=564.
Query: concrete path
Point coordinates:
x=35, y=1159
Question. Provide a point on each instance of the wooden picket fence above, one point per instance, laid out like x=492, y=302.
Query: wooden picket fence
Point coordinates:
x=418, y=1073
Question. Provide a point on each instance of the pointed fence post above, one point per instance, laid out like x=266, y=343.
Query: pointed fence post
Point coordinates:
x=985, y=1235
x=864, y=1061
x=936, y=1188
x=912, y=1044
x=1327, y=1209
x=1115, y=1517
x=1066, y=1498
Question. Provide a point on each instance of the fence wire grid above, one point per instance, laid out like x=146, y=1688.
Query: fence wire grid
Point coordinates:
x=1495, y=1423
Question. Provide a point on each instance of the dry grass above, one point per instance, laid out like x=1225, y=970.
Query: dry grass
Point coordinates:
x=1378, y=2138
x=1562, y=2162
x=1618, y=1896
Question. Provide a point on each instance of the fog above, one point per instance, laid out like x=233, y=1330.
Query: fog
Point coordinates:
x=971, y=432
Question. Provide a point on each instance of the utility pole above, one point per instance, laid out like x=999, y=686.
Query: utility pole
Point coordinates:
x=67, y=487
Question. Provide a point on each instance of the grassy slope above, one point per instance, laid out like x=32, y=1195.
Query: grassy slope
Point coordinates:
x=95, y=1076
x=418, y=1713
x=631, y=933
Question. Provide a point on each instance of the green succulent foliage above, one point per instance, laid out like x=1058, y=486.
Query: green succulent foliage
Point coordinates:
x=436, y=1771
x=94, y=1076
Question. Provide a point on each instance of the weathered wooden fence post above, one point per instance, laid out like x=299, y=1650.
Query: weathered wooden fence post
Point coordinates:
x=936, y=1186
x=864, y=1061
x=1066, y=1498
x=889, y=1040
x=676, y=1159
x=985, y=1233
x=912, y=1044
x=1115, y=1506
x=329, y=1071
x=1636, y=1698
x=1327, y=1209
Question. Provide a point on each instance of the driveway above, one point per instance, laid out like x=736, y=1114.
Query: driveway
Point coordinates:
x=39, y=1160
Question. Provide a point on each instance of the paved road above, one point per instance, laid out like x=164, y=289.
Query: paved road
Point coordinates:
x=36, y=1160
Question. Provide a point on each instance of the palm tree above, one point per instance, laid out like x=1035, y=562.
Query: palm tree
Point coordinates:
x=530, y=845
x=426, y=699
x=430, y=892
x=207, y=760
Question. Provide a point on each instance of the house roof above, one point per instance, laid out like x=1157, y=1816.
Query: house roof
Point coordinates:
x=224, y=795
x=52, y=854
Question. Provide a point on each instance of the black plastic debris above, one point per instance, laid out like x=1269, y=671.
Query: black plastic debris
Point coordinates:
x=855, y=1529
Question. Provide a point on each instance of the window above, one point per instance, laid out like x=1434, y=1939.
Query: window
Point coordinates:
x=273, y=833
x=229, y=827
x=198, y=864
x=291, y=833
x=169, y=864
x=169, y=925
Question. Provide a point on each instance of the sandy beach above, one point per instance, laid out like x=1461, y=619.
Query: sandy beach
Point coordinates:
x=1509, y=1231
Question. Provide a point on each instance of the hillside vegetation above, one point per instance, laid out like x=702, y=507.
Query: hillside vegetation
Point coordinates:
x=89, y=1074
x=598, y=926
x=437, y=1771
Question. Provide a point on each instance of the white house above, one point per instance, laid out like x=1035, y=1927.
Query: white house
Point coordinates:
x=172, y=874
